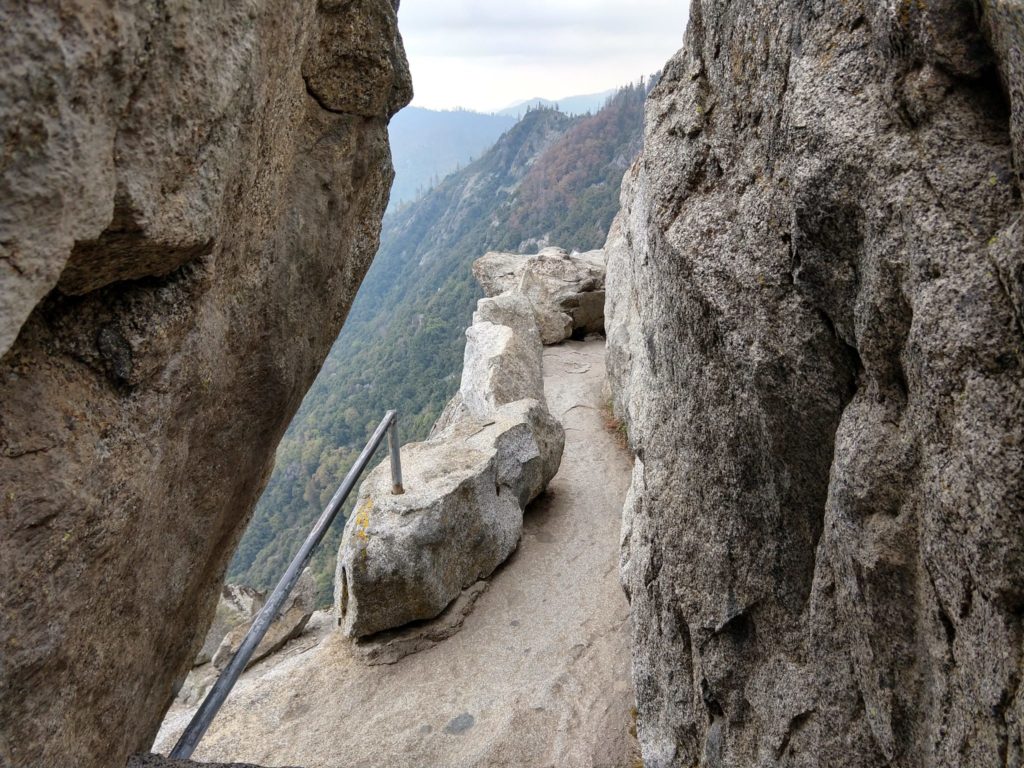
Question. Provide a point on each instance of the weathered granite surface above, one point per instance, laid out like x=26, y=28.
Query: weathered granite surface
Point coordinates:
x=536, y=674
x=406, y=557
x=494, y=449
x=566, y=290
x=190, y=195
x=158, y=761
x=503, y=359
x=815, y=302
x=237, y=606
x=287, y=625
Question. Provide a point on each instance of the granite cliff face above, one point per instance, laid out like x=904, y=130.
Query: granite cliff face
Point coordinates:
x=815, y=302
x=190, y=195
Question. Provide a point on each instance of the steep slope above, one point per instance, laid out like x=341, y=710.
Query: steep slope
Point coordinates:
x=189, y=197
x=815, y=295
x=571, y=197
x=427, y=145
x=402, y=345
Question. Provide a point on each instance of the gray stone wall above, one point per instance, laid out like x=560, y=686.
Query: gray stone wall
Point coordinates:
x=815, y=292
x=190, y=194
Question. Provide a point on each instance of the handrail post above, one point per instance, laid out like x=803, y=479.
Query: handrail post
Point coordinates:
x=396, y=459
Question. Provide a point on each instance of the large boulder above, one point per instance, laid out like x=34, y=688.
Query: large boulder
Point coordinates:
x=503, y=359
x=406, y=557
x=815, y=304
x=499, y=272
x=500, y=365
x=287, y=625
x=190, y=196
x=565, y=290
x=493, y=450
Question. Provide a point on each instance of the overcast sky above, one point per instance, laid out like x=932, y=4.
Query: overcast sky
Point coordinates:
x=487, y=54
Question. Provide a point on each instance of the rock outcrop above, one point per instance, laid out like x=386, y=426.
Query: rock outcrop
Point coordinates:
x=815, y=298
x=236, y=610
x=237, y=606
x=565, y=290
x=537, y=673
x=288, y=624
x=495, y=448
x=189, y=197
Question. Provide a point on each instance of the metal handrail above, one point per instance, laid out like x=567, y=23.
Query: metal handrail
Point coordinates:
x=219, y=692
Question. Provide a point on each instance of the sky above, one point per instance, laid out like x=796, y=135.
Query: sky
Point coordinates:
x=488, y=54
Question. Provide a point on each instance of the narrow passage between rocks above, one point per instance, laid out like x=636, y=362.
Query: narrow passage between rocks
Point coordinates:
x=530, y=668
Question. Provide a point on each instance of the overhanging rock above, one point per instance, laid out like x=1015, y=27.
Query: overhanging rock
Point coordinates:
x=190, y=196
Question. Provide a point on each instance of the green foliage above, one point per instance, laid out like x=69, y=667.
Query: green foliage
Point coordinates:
x=573, y=195
x=402, y=345
x=427, y=145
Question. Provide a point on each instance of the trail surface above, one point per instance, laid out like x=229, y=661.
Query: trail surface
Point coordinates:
x=536, y=674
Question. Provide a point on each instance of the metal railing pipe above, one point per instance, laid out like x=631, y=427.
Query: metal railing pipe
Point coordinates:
x=396, y=459
x=222, y=687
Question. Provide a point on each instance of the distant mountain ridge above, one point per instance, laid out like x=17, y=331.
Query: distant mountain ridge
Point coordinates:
x=551, y=177
x=429, y=144
x=570, y=105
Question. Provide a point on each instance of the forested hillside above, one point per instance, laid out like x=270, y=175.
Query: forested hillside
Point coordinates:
x=571, y=105
x=402, y=345
x=427, y=145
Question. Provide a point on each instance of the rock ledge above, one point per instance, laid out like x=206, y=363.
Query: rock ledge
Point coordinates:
x=405, y=557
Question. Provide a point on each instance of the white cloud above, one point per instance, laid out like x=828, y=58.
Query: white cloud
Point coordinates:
x=485, y=55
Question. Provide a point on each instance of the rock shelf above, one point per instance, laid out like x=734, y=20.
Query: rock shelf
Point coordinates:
x=406, y=557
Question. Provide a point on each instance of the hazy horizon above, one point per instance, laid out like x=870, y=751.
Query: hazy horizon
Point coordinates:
x=465, y=55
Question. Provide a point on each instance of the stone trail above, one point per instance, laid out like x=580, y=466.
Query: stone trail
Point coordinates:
x=536, y=674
